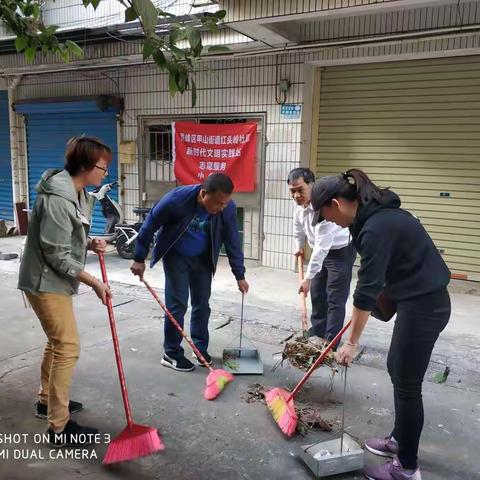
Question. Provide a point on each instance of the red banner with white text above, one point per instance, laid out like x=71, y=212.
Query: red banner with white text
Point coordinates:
x=203, y=149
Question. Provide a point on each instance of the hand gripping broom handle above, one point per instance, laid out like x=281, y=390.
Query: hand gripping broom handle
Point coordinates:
x=318, y=361
x=303, y=304
x=177, y=325
x=116, y=346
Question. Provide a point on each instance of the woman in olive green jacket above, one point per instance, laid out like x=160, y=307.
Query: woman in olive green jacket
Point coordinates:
x=51, y=269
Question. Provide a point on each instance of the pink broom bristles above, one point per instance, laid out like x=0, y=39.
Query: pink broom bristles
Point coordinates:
x=217, y=380
x=133, y=442
x=283, y=410
x=280, y=402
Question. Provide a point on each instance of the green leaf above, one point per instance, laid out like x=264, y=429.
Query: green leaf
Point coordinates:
x=441, y=377
x=130, y=14
x=51, y=29
x=160, y=59
x=172, y=84
x=36, y=11
x=74, y=48
x=172, y=66
x=197, y=51
x=148, y=14
x=177, y=52
x=211, y=24
x=194, y=92
x=176, y=34
x=62, y=50
x=220, y=14
x=194, y=38
x=28, y=10
x=30, y=53
x=148, y=49
x=163, y=13
x=182, y=80
x=21, y=43
x=93, y=3
x=218, y=49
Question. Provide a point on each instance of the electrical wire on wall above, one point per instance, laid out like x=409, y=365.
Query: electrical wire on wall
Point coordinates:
x=282, y=98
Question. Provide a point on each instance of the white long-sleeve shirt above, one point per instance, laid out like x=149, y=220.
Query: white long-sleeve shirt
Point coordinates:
x=322, y=238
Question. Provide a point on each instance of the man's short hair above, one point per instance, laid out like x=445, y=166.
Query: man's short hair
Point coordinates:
x=218, y=182
x=305, y=173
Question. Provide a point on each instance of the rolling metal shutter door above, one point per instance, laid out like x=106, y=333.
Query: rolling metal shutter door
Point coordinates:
x=6, y=197
x=413, y=126
x=49, y=127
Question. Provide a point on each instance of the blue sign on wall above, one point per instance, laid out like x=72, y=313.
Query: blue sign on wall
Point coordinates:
x=291, y=111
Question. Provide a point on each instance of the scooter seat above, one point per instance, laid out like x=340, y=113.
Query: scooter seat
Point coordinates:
x=141, y=210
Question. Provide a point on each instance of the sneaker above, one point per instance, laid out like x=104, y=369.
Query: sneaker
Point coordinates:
x=73, y=435
x=42, y=409
x=180, y=364
x=206, y=356
x=392, y=470
x=385, y=447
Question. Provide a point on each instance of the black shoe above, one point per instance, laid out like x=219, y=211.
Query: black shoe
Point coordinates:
x=73, y=435
x=180, y=364
x=206, y=356
x=41, y=409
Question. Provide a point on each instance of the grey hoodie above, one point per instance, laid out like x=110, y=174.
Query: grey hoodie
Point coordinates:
x=56, y=245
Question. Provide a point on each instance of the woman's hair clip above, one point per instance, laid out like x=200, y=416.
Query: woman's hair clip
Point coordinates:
x=348, y=178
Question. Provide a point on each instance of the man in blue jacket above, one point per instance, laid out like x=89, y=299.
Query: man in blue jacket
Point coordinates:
x=192, y=224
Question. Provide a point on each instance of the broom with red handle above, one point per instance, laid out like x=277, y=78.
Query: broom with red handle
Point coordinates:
x=134, y=440
x=303, y=303
x=217, y=379
x=280, y=402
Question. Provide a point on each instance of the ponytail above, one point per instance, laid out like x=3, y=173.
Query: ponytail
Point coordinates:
x=359, y=187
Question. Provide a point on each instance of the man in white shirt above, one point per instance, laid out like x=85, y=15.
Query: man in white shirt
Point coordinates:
x=329, y=271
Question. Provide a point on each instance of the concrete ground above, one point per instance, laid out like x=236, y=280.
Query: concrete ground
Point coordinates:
x=227, y=438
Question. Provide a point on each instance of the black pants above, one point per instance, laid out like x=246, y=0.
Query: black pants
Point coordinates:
x=417, y=327
x=329, y=291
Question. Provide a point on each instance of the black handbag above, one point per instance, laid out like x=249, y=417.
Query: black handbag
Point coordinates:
x=384, y=309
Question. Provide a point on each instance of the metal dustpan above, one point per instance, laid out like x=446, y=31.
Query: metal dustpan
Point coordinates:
x=241, y=360
x=330, y=458
x=334, y=456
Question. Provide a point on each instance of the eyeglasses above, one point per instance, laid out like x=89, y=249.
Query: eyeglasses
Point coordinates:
x=105, y=170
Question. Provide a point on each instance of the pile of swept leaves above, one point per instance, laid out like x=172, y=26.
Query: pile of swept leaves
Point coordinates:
x=302, y=352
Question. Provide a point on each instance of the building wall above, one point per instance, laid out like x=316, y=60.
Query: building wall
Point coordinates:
x=238, y=85
x=240, y=10
x=225, y=87
x=413, y=126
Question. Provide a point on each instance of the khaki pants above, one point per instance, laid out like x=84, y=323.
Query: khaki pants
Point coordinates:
x=61, y=353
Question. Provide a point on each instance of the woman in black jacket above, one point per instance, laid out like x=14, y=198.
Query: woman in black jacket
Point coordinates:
x=400, y=260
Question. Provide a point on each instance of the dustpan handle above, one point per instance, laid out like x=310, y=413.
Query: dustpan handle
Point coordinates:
x=116, y=346
x=303, y=302
x=318, y=361
x=177, y=326
x=241, y=320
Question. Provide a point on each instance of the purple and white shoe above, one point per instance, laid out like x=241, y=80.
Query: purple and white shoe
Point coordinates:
x=385, y=447
x=392, y=470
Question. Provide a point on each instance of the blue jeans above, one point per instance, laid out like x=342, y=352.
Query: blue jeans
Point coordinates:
x=184, y=276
